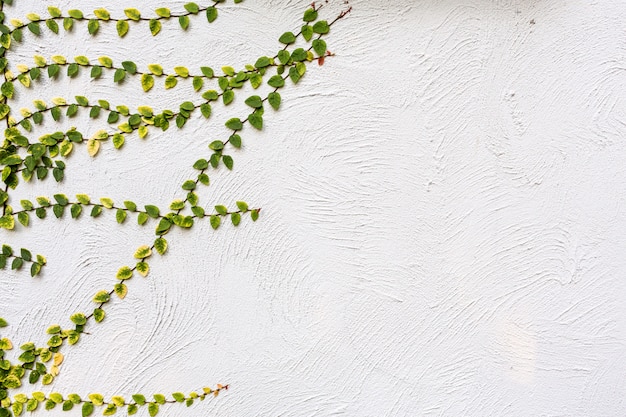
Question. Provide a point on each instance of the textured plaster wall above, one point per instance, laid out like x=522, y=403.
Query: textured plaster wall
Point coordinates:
x=443, y=224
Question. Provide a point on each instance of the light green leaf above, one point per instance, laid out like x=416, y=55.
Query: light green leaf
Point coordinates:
x=122, y=28
x=124, y=273
x=133, y=14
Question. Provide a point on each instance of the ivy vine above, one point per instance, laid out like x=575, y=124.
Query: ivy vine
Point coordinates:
x=24, y=157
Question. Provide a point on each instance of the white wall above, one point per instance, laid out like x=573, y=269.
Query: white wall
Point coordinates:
x=442, y=230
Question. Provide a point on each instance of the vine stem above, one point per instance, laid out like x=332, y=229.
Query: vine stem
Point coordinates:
x=140, y=19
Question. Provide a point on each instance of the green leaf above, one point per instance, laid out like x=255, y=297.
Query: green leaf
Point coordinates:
x=61, y=199
x=155, y=26
x=118, y=400
x=310, y=15
x=56, y=397
x=98, y=315
x=307, y=32
x=120, y=290
x=263, y=62
x=143, y=268
x=156, y=69
x=107, y=202
x=7, y=222
x=256, y=120
x=32, y=404
x=276, y=81
x=130, y=205
x=298, y=55
x=192, y=8
x=119, y=75
x=109, y=410
x=17, y=264
x=235, y=218
x=216, y=145
x=205, y=109
x=93, y=26
x=163, y=227
x=96, y=72
x=198, y=83
x=26, y=255
x=183, y=21
x=102, y=14
x=189, y=185
x=101, y=297
x=235, y=140
x=254, y=214
x=34, y=27
x=187, y=105
x=182, y=71
x=76, y=14
x=153, y=211
x=35, y=268
x=204, y=178
x=283, y=56
x=319, y=46
x=170, y=82
x=234, y=124
x=96, y=211
x=120, y=216
x=163, y=12
x=221, y=209
x=207, y=72
x=211, y=14
x=54, y=11
x=78, y=318
x=201, y=164
x=198, y=211
x=124, y=273
x=274, y=99
x=287, y=38
x=147, y=82
x=228, y=97
x=321, y=27
x=87, y=409
x=23, y=218
x=133, y=14
x=122, y=28
x=160, y=245
x=254, y=102
x=143, y=252
x=129, y=66
x=53, y=26
x=215, y=221
x=7, y=89
x=142, y=218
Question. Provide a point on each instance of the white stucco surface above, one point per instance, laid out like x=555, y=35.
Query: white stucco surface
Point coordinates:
x=443, y=217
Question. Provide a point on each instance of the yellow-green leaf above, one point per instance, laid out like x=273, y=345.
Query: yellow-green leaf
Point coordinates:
x=133, y=14
x=102, y=14
x=142, y=252
x=147, y=82
x=124, y=273
x=182, y=71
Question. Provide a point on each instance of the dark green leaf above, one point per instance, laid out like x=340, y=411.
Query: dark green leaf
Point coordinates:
x=211, y=14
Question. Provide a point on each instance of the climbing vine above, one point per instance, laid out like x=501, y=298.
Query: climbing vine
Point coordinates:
x=25, y=157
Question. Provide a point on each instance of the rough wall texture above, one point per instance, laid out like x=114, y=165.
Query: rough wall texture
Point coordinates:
x=442, y=230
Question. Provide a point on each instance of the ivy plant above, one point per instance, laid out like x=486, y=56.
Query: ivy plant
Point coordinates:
x=26, y=157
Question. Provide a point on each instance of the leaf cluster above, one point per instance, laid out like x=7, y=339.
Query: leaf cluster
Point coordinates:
x=26, y=157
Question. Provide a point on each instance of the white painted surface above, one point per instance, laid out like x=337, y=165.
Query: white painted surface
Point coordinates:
x=442, y=230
